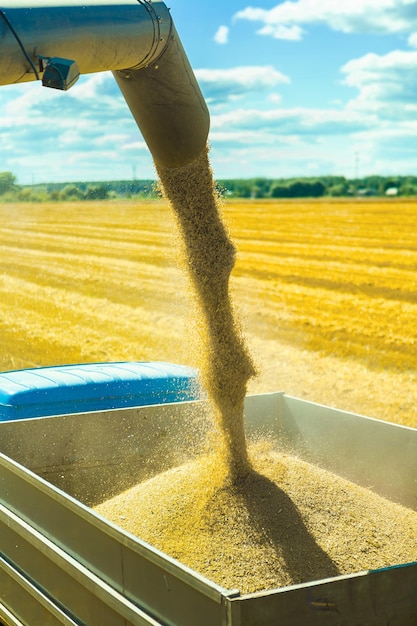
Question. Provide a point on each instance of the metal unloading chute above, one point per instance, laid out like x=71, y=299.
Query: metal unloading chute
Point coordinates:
x=57, y=40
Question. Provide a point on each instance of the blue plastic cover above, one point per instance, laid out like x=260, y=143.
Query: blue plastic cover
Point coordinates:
x=93, y=387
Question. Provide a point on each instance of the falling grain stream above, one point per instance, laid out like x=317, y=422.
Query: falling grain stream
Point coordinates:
x=249, y=517
x=210, y=256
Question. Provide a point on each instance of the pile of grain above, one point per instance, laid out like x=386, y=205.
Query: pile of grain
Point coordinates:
x=209, y=258
x=249, y=522
x=288, y=522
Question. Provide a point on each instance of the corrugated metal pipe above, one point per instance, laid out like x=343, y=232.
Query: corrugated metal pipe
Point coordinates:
x=57, y=40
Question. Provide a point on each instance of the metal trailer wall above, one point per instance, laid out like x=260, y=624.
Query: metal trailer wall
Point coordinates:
x=72, y=564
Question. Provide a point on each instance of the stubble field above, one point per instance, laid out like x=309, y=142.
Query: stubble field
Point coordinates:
x=326, y=292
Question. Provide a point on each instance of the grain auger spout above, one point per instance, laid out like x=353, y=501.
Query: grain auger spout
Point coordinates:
x=57, y=40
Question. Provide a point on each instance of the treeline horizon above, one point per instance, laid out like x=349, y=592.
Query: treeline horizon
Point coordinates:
x=299, y=187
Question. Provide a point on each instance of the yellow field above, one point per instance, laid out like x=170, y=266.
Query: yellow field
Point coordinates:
x=327, y=293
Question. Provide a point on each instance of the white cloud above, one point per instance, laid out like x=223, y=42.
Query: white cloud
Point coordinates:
x=248, y=75
x=220, y=85
x=274, y=25
x=386, y=84
x=276, y=98
x=283, y=159
x=349, y=16
x=87, y=132
x=282, y=142
x=222, y=35
x=281, y=31
x=22, y=103
x=296, y=121
x=134, y=146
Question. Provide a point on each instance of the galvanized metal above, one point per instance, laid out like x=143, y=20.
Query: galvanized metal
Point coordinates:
x=372, y=453
x=61, y=586
x=168, y=106
x=49, y=540
x=128, y=445
x=99, y=36
x=136, y=40
x=61, y=539
x=375, y=598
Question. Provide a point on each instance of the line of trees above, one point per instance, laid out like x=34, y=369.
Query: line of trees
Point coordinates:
x=330, y=186
x=10, y=191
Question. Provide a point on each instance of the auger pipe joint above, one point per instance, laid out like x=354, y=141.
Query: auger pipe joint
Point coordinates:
x=57, y=40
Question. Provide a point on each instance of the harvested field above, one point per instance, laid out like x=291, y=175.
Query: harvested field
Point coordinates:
x=327, y=292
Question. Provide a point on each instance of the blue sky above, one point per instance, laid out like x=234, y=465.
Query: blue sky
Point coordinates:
x=294, y=88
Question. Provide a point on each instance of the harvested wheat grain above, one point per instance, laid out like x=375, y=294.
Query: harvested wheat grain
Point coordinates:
x=288, y=522
x=267, y=520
